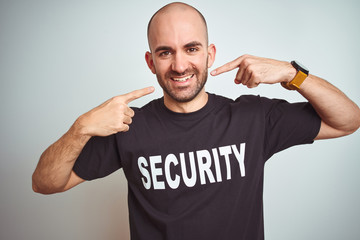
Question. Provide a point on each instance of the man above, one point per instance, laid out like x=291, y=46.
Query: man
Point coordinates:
x=194, y=161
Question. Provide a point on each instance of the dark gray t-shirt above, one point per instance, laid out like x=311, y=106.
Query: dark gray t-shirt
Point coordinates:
x=199, y=175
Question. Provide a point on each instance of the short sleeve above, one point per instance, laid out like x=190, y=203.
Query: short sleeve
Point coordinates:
x=288, y=124
x=98, y=158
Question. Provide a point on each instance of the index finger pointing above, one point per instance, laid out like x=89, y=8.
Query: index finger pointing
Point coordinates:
x=131, y=96
x=227, y=67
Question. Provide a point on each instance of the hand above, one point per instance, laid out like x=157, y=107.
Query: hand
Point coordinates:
x=255, y=70
x=112, y=116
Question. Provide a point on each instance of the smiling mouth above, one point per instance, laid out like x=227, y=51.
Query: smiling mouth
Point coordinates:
x=183, y=79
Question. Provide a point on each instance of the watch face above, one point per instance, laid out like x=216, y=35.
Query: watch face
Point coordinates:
x=301, y=67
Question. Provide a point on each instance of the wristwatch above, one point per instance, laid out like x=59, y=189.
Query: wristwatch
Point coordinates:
x=301, y=75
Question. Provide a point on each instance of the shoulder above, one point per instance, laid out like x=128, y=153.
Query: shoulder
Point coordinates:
x=150, y=107
x=257, y=99
x=251, y=102
x=242, y=101
x=151, y=112
x=265, y=104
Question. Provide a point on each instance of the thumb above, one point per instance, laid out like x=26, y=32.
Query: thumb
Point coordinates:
x=131, y=96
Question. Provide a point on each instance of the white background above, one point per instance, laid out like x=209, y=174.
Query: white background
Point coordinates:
x=59, y=59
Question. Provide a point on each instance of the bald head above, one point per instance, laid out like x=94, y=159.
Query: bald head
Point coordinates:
x=179, y=10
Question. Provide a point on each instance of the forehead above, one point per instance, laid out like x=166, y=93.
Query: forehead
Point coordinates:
x=177, y=28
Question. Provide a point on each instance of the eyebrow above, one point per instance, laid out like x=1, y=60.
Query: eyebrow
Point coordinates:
x=163, y=48
x=188, y=45
x=193, y=44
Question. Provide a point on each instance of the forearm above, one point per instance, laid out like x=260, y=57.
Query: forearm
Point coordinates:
x=335, y=109
x=340, y=116
x=54, y=170
x=55, y=165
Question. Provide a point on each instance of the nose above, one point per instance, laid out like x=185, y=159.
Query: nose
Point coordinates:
x=179, y=63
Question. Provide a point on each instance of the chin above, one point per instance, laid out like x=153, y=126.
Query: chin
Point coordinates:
x=185, y=97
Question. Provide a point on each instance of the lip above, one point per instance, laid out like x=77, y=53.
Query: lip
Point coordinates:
x=182, y=79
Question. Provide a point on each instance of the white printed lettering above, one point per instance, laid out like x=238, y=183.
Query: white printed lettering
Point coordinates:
x=217, y=165
x=173, y=183
x=155, y=172
x=204, y=166
x=146, y=175
x=157, y=175
x=226, y=151
x=240, y=156
x=189, y=182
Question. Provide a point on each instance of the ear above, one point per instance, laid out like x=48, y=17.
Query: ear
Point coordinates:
x=211, y=54
x=150, y=62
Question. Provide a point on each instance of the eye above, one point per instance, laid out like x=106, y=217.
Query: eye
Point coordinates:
x=191, y=50
x=164, y=54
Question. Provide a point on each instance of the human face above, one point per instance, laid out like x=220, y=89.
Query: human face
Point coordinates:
x=180, y=56
x=182, y=80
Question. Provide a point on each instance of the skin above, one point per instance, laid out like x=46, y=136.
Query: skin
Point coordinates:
x=340, y=116
x=179, y=50
x=54, y=171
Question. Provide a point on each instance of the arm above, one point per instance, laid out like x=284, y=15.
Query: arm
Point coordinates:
x=340, y=116
x=54, y=171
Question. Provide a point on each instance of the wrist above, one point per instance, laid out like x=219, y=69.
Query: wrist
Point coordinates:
x=290, y=74
x=79, y=131
x=300, y=76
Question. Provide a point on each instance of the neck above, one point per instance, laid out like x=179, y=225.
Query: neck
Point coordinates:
x=187, y=107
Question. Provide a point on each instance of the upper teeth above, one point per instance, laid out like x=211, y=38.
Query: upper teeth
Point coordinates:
x=182, y=79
